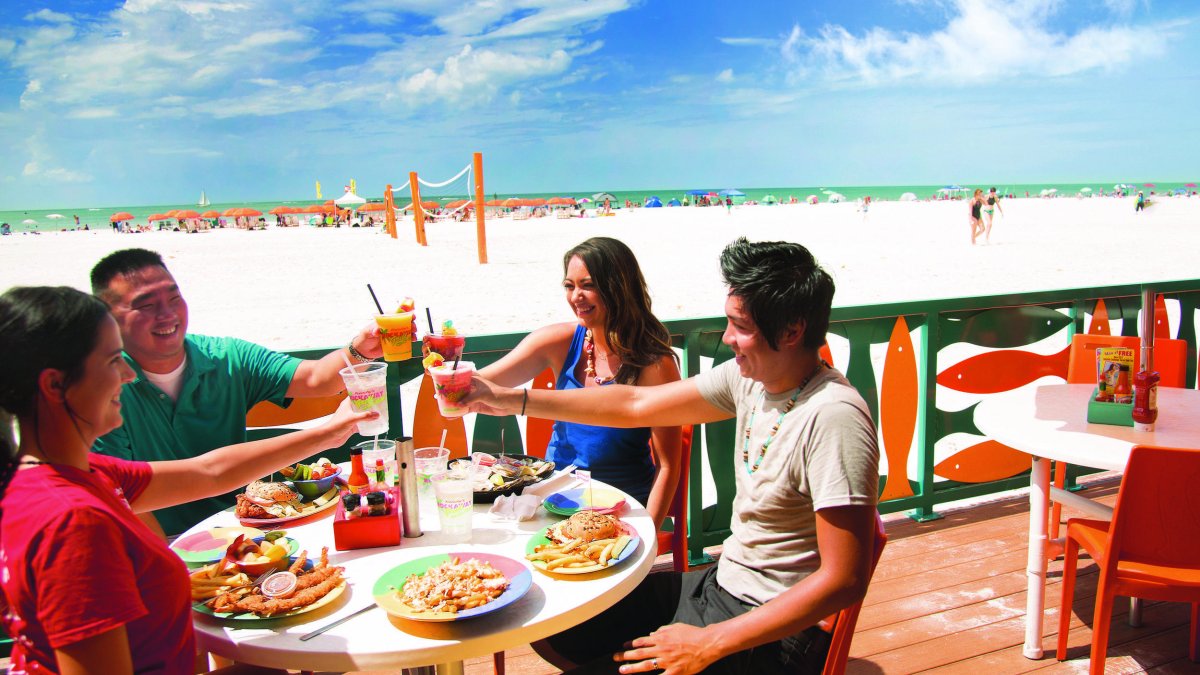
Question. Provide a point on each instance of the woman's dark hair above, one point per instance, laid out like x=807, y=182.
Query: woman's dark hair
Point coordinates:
x=779, y=284
x=42, y=327
x=633, y=333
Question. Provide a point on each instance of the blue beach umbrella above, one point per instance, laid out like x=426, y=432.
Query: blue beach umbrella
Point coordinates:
x=732, y=193
x=674, y=202
x=653, y=203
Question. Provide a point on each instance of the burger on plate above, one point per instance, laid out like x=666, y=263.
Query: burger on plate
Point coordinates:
x=586, y=526
x=268, y=500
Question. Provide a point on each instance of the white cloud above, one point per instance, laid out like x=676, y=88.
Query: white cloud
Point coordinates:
x=6, y=46
x=92, y=113
x=749, y=42
x=49, y=16
x=979, y=41
x=473, y=74
x=55, y=174
x=725, y=75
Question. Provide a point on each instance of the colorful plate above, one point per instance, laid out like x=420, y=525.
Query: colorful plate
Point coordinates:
x=329, y=597
x=209, y=546
x=540, y=538
x=570, y=502
x=387, y=597
x=310, y=508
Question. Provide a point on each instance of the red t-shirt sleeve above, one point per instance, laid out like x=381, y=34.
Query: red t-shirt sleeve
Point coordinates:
x=83, y=578
x=131, y=476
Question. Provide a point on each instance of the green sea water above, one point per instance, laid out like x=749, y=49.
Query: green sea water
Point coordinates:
x=98, y=216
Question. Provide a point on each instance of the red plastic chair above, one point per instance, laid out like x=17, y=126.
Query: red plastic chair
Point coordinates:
x=1150, y=549
x=842, y=624
x=675, y=541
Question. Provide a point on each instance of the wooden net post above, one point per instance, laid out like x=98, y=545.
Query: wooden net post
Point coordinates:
x=480, y=228
x=389, y=211
x=418, y=212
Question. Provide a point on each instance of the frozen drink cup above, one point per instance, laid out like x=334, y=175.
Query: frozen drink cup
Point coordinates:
x=455, y=503
x=451, y=386
x=450, y=347
x=396, y=335
x=366, y=384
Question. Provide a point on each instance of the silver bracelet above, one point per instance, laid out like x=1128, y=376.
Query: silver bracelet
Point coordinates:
x=357, y=355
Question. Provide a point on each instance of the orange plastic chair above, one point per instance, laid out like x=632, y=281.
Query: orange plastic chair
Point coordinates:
x=1170, y=360
x=675, y=541
x=841, y=625
x=267, y=414
x=1151, y=549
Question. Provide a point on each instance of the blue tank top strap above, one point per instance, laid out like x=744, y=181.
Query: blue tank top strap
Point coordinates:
x=566, y=377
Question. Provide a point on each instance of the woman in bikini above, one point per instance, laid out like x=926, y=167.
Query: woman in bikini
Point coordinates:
x=991, y=204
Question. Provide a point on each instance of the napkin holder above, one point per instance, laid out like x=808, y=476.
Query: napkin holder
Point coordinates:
x=1104, y=412
x=367, y=531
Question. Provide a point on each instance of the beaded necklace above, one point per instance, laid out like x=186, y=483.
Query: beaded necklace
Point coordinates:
x=778, y=423
x=590, y=369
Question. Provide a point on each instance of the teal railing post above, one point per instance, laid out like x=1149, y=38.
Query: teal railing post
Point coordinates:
x=928, y=425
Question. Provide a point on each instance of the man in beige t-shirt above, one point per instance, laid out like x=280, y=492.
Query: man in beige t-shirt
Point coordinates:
x=807, y=472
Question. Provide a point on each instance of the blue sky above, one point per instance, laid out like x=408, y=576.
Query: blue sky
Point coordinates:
x=150, y=101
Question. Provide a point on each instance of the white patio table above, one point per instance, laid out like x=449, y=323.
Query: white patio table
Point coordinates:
x=1050, y=423
x=375, y=640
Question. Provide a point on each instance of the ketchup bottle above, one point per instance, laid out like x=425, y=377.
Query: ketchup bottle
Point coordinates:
x=1145, y=400
x=358, y=481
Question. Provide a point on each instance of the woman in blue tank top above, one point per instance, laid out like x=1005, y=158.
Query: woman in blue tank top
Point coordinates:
x=615, y=338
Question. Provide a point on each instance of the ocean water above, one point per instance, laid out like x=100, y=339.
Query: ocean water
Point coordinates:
x=98, y=216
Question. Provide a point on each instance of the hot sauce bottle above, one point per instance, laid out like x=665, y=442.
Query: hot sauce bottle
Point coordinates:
x=358, y=481
x=1145, y=400
x=1122, y=392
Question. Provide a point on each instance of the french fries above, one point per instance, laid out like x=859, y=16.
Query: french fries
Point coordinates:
x=575, y=554
x=212, y=580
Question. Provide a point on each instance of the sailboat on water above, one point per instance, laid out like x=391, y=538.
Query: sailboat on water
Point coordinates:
x=203, y=199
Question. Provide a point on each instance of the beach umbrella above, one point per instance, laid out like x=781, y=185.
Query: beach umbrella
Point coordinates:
x=184, y=214
x=158, y=216
x=674, y=202
x=1149, y=185
x=693, y=193
x=585, y=200
x=731, y=193
x=427, y=206
x=494, y=202
x=908, y=197
x=373, y=206
x=29, y=221
x=1086, y=189
x=237, y=212
x=812, y=199
x=456, y=203
x=210, y=214
x=1191, y=185
x=56, y=216
x=513, y=202
x=535, y=202
x=653, y=203
x=836, y=197
x=769, y=199
x=122, y=215
x=281, y=210
x=601, y=196
x=315, y=208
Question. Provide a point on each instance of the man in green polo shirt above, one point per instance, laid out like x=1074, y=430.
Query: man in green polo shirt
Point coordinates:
x=192, y=392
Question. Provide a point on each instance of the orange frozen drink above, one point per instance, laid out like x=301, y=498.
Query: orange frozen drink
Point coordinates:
x=396, y=335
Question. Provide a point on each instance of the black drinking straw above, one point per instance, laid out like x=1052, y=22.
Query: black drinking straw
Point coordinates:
x=377, y=305
x=429, y=318
x=455, y=368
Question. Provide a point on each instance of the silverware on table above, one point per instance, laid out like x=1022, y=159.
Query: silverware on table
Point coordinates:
x=337, y=623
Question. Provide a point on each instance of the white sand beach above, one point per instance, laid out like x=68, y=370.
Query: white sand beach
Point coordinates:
x=294, y=288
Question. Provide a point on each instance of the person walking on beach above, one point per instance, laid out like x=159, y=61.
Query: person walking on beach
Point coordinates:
x=190, y=393
x=992, y=203
x=976, y=205
x=1141, y=202
x=729, y=205
x=806, y=474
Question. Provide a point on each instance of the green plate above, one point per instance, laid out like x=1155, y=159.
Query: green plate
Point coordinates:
x=540, y=539
x=387, y=595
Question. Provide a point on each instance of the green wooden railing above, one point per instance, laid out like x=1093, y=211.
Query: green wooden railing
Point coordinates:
x=907, y=359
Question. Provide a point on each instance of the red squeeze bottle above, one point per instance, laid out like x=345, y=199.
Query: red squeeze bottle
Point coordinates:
x=1145, y=400
x=358, y=481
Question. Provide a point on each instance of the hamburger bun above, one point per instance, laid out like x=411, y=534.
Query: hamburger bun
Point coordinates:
x=589, y=526
x=266, y=500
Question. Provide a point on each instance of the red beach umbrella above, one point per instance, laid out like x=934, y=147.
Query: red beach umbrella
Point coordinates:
x=281, y=210
x=513, y=202
x=535, y=202
x=171, y=213
x=210, y=214
x=158, y=216
x=123, y=215
x=1149, y=185
x=456, y=203
x=315, y=208
x=1190, y=185
x=494, y=202
x=373, y=206
x=186, y=214
x=239, y=211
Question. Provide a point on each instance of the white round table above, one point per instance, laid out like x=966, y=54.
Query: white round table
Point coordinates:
x=1050, y=423
x=375, y=641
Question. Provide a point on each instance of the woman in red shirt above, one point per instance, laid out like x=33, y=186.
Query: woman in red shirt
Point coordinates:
x=87, y=588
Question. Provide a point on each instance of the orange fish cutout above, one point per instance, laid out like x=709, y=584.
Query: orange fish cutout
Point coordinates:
x=993, y=372
x=1099, y=324
x=1162, y=321
x=983, y=462
x=428, y=423
x=898, y=409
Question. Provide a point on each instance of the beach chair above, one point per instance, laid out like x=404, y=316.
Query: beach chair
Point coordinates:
x=1150, y=549
x=562, y=214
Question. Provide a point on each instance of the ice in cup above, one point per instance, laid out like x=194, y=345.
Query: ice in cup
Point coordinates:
x=381, y=449
x=366, y=384
x=451, y=386
x=429, y=462
x=455, y=504
x=396, y=335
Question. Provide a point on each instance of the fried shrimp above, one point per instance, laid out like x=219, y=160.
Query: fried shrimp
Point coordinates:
x=311, y=586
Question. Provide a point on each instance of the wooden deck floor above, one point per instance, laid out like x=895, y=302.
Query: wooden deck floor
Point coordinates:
x=949, y=597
